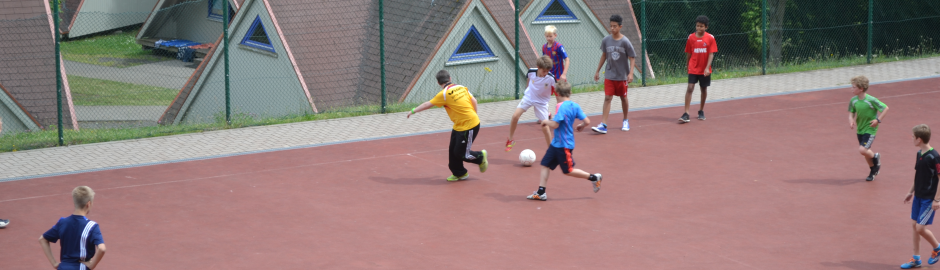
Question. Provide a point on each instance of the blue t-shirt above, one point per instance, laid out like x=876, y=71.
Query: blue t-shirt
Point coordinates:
x=558, y=55
x=79, y=237
x=565, y=114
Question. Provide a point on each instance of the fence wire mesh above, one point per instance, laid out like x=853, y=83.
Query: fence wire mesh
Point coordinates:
x=157, y=70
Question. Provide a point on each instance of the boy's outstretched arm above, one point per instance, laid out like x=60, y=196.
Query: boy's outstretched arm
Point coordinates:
x=48, y=250
x=424, y=106
x=597, y=74
x=550, y=124
x=99, y=253
x=874, y=123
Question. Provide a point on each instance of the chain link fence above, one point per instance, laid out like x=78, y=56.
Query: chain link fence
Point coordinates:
x=161, y=69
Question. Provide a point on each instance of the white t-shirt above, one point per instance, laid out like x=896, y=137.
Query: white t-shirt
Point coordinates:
x=540, y=88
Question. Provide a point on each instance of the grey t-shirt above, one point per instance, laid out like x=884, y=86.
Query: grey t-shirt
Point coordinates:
x=618, y=54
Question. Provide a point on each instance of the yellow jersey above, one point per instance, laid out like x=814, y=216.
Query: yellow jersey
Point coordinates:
x=456, y=100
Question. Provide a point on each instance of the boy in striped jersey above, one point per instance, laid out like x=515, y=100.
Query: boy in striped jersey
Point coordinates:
x=82, y=244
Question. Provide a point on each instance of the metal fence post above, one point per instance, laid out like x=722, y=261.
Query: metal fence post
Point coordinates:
x=763, y=37
x=643, y=41
x=871, y=12
x=515, y=6
x=228, y=94
x=58, y=71
x=382, y=49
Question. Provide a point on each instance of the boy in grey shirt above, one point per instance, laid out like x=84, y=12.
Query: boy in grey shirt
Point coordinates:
x=618, y=52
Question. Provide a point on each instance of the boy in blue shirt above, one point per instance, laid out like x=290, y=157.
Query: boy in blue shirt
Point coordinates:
x=559, y=152
x=82, y=244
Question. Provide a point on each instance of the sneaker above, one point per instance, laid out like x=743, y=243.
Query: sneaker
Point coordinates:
x=597, y=184
x=701, y=115
x=913, y=263
x=485, y=163
x=871, y=175
x=684, y=118
x=510, y=144
x=934, y=256
x=535, y=196
x=454, y=178
x=602, y=128
x=626, y=125
x=4, y=223
x=877, y=161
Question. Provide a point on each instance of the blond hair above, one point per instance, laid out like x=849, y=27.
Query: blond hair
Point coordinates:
x=563, y=89
x=82, y=195
x=550, y=29
x=860, y=82
x=544, y=62
x=922, y=132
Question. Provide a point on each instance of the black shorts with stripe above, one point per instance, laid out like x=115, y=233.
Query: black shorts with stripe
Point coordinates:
x=866, y=140
x=555, y=157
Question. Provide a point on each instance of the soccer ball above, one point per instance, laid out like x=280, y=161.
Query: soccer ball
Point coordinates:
x=527, y=157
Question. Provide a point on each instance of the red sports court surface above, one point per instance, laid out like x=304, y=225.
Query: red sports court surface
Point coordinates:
x=765, y=183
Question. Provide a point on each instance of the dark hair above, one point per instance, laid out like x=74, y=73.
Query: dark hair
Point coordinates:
x=616, y=18
x=443, y=77
x=702, y=19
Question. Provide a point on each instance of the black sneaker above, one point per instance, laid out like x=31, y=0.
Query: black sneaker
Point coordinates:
x=684, y=118
x=701, y=115
x=871, y=174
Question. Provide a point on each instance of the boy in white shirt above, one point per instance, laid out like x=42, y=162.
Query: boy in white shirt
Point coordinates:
x=537, y=94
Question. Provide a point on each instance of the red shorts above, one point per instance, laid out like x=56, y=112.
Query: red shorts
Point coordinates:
x=615, y=88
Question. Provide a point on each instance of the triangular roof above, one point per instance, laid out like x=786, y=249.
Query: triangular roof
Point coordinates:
x=503, y=13
x=27, y=62
x=102, y=15
x=163, y=5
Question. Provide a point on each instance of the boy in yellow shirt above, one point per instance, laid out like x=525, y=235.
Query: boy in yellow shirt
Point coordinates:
x=461, y=106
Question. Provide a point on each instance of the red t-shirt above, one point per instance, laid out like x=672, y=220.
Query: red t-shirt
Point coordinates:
x=700, y=48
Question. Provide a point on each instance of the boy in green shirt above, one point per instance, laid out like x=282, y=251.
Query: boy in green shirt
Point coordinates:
x=864, y=115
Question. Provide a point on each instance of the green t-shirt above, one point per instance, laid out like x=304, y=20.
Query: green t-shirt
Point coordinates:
x=865, y=111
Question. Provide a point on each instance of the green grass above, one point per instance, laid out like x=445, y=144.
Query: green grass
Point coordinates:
x=96, y=92
x=116, y=50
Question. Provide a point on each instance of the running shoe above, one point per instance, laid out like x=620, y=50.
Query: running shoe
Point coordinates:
x=454, y=178
x=877, y=161
x=626, y=125
x=601, y=128
x=913, y=263
x=4, y=223
x=485, y=163
x=934, y=256
x=701, y=115
x=597, y=184
x=871, y=175
x=510, y=144
x=535, y=196
x=684, y=118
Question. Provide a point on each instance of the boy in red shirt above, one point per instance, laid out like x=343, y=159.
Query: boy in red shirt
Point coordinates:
x=700, y=50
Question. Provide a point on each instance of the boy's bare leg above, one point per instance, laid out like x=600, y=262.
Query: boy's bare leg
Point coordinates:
x=868, y=154
x=922, y=231
x=625, y=105
x=548, y=135
x=607, y=100
x=688, y=96
x=515, y=120
x=578, y=173
x=545, y=172
x=701, y=105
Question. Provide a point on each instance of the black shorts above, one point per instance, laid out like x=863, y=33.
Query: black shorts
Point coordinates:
x=555, y=156
x=866, y=140
x=702, y=80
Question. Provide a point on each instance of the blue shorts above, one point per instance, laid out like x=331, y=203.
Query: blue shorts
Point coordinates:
x=922, y=211
x=555, y=156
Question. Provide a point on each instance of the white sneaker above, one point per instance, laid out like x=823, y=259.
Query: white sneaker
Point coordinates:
x=535, y=196
x=4, y=223
x=626, y=125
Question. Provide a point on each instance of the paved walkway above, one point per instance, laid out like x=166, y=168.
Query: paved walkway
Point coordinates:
x=72, y=159
x=171, y=74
